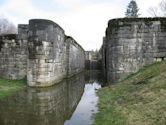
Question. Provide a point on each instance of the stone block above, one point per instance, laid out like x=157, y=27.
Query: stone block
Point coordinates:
x=131, y=44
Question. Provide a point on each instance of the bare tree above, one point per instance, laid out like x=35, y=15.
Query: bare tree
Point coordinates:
x=153, y=11
x=163, y=7
x=159, y=10
x=7, y=27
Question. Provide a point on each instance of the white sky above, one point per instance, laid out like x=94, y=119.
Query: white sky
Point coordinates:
x=84, y=20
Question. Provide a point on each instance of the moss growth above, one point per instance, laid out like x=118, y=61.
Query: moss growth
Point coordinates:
x=163, y=26
x=113, y=24
x=148, y=23
x=139, y=99
x=9, y=87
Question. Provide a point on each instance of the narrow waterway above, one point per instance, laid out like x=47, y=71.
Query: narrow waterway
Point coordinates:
x=71, y=102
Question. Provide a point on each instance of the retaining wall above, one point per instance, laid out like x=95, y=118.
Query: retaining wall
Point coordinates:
x=47, y=53
x=40, y=51
x=13, y=55
x=75, y=57
x=132, y=43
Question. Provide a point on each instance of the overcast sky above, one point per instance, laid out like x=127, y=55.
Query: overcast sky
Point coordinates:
x=84, y=20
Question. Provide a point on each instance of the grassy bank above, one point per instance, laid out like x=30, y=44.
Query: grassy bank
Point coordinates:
x=138, y=100
x=9, y=87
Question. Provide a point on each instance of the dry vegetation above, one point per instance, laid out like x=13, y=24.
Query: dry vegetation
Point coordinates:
x=138, y=100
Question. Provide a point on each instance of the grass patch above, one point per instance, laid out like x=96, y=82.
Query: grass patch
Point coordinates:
x=9, y=87
x=138, y=100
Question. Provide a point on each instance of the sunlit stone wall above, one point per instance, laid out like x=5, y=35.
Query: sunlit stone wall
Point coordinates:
x=47, y=53
x=132, y=43
x=52, y=56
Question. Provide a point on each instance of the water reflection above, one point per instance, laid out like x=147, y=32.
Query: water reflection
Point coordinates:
x=87, y=107
x=92, y=76
x=71, y=102
x=43, y=106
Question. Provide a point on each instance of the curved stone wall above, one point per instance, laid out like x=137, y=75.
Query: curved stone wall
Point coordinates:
x=40, y=51
x=132, y=43
x=47, y=53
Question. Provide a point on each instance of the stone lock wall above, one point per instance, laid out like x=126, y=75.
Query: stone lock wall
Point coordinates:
x=40, y=51
x=132, y=43
x=13, y=54
x=47, y=53
x=75, y=57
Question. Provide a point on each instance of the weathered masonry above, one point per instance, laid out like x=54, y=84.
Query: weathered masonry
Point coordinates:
x=42, y=52
x=132, y=43
x=92, y=60
x=13, y=54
